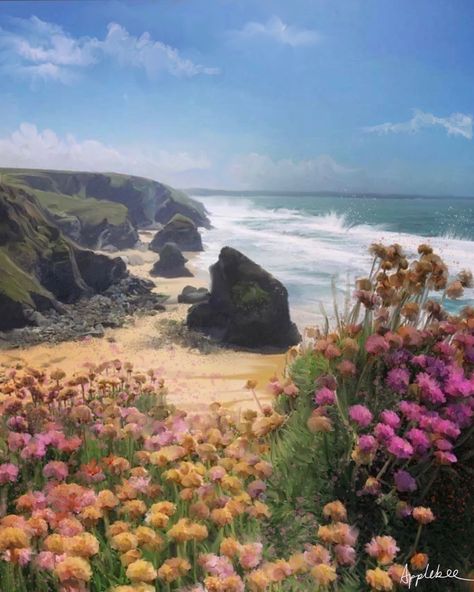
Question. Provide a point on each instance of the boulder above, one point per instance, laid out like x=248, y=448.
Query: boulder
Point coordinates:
x=180, y=230
x=171, y=263
x=247, y=307
x=192, y=295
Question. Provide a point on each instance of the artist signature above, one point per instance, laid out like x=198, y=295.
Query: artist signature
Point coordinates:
x=430, y=574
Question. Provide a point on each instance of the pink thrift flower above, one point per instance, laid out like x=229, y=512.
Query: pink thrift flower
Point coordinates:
x=376, y=345
x=360, y=415
x=390, y=418
x=398, y=380
x=429, y=388
x=383, y=548
x=216, y=473
x=383, y=432
x=445, y=458
x=216, y=565
x=345, y=554
x=324, y=396
x=400, y=447
x=419, y=440
x=8, y=473
x=250, y=555
x=256, y=488
x=404, y=482
x=367, y=444
x=56, y=469
x=17, y=441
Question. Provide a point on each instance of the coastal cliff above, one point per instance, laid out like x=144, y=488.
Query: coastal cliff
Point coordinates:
x=40, y=268
x=104, y=210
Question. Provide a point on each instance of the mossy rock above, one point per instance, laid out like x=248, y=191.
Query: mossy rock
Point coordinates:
x=248, y=295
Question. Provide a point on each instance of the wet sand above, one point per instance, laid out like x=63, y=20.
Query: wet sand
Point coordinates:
x=194, y=379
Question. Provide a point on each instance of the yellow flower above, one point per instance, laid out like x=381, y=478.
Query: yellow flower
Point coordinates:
x=141, y=571
x=258, y=581
x=83, y=545
x=229, y=547
x=148, y=538
x=185, y=530
x=130, y=557
x=133, y=508
x=157, y=520
x=323, y=574
x=231, y=484
x=378, y=579
x=55, y=543
x=118, y=527
x=73, y=568
x=124, y=541
x=335, y=511
x=173, y=568
x=166, y=455
x=298, y=563
x=13, y=538
x=167, y=508
x=221, y=516
x=107, y=500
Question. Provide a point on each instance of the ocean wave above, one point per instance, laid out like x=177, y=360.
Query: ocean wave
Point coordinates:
x=306, y=251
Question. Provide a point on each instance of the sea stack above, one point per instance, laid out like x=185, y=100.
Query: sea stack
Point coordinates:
x=171, y=264
x=247, y=307
x=180, y=230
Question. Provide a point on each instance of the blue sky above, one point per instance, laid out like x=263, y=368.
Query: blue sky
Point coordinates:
x=363, y=95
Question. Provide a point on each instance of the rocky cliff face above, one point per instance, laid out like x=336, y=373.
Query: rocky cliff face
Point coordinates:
x=98, y=210
x=39, y=267
x=247, y=307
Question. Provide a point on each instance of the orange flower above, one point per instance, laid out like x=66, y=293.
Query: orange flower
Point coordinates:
x=173, y=568
x=423, y=515
x=141, y=571
x=83, y=545
x=378, y=579
x=419, y=561
x=124, y=541
x=324, y=574
x=335, y=511
x=13, y=538
x=72, y=569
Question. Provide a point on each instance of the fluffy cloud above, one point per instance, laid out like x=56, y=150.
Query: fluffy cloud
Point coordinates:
x=457, y=124
x=276, y=30
x=258, y=171
x=31, y=148
x=40, y=50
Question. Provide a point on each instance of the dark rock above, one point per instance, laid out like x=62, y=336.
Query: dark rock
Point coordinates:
x=171, y=263
x=192, y=295
x=180, y=230
x=247, y=307
x=39, y=266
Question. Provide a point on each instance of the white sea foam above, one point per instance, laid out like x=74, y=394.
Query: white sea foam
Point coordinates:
x=306, y=251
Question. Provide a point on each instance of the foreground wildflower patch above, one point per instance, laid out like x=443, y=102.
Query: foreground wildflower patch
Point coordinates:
x=383, y=420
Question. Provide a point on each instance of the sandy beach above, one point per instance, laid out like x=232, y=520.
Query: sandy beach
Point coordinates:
x=194, y=379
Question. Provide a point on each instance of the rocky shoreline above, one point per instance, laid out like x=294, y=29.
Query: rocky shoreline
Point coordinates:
x=89, y=316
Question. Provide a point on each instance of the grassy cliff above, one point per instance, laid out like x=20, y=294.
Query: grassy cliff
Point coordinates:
x=38, y=264
x=95, y=197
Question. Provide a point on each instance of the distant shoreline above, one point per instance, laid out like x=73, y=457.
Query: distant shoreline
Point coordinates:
x=202, y=192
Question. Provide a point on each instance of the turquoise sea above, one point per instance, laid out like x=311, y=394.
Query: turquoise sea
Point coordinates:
x=307, y=241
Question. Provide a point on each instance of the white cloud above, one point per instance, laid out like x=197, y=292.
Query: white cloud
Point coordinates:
x=42, y=50
x=456, y=124
x=258, y=171
x=29, y=147
x=276, y=30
